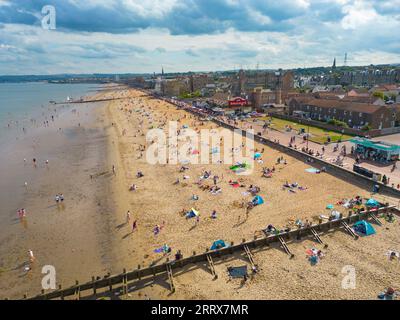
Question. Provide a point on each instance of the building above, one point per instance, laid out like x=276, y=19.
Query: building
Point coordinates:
x=200, y=81
x=260, y=97
x=238, y=102
x=376, y=150
x=246, y=81
x=354, y=114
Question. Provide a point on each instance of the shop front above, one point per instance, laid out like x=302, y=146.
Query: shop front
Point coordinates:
x=375, y=150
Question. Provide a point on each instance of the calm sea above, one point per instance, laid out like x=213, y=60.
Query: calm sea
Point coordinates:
x=25, y=101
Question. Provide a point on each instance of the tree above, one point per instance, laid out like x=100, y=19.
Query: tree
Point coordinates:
x=379, y=94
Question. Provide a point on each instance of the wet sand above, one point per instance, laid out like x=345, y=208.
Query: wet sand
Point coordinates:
x=75, y=238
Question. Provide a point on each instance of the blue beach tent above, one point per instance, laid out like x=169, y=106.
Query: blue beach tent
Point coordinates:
x=258, y=200
x=372, y=203
x=364, y=228
x=218, y=245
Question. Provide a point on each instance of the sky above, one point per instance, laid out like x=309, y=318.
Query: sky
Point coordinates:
x=142, y=36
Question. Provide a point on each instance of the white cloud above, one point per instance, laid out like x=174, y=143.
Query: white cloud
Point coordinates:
x=358, y=15
x=366, y=30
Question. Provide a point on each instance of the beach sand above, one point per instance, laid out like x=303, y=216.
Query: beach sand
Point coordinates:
x=91, y=238
x=158, y=200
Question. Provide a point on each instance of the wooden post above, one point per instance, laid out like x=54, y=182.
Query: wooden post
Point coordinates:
x=77, y=290
x=94, y=286
x=62, y=292
x=124, y=283
x=110, y=287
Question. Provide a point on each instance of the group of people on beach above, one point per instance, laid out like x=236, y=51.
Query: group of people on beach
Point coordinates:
x=21, y=213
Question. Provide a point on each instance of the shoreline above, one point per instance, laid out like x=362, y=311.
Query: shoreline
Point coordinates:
x=75, y=239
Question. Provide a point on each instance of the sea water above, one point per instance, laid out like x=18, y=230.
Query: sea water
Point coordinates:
x=21, y=102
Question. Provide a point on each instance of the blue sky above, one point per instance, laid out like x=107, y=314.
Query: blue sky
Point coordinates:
x=118, y=36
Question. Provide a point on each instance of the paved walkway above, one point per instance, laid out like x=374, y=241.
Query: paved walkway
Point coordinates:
x=329, y=155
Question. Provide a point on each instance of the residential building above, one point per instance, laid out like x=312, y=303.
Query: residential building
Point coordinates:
x=355, y=114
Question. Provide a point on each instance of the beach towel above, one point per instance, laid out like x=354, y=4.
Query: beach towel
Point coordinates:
x=329, y=206
x=312, y=170
x=237, y=272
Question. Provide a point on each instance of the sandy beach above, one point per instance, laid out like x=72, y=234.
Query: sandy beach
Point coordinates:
x=90, y=237
x=157, y=201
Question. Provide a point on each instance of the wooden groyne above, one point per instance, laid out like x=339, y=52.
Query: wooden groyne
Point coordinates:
x=89, y=101
x=109, y=282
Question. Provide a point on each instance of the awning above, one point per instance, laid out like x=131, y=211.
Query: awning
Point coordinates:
x=383, y=146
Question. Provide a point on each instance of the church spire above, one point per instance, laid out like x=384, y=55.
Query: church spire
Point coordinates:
x=334, y=64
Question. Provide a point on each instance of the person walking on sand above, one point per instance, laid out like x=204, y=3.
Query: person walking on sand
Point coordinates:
x=113, y=170
x=134, y=226
x=32, y=258
x=128, y=217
